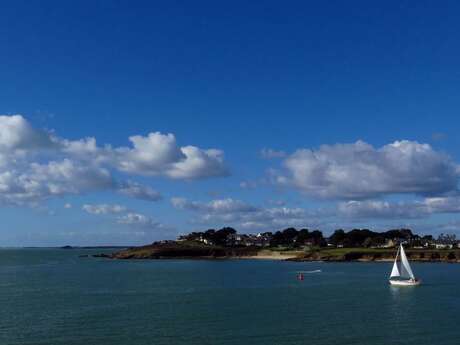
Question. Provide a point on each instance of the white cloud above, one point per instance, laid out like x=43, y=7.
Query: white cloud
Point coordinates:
x=138, y=191
x=245, y=216
x=381, y=209
x=270, y=219
x=17, y=134
x=101, y=209
x=369, y=209
x=37, y=182
x=359, y=171
x=159, y=154
x=36, y=164
x=83, y=146
x=137, y=219
x=69, y=177
x=219, y=206
x=199, y=164
x=123, y=215
x=156, y=154
x=443, y=204
x=67, y=205
x=151, y=155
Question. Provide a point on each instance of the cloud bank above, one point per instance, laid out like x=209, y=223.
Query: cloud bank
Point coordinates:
x=123, y=215
x=360, y=171
x=245, y=216
x=104, y=209
x=371, y=209
x=36, y=165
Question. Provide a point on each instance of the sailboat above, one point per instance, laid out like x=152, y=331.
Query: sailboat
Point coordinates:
x=402, y=275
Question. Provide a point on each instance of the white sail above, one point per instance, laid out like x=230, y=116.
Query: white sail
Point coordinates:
x=395, y=270
x=406, y=271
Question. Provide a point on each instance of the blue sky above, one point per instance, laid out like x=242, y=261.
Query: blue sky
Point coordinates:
x=265, y=84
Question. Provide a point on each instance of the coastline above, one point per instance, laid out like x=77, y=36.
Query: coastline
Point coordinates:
x=190, y=250
x=274, y=256
x=380, y=255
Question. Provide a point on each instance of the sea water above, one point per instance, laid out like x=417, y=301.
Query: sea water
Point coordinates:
x=53, y=296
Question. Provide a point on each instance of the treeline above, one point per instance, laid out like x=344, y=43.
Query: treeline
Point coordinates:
x=221, y=237
x=352, y=238
x=292, y=237
x=368, y=238
x=298, y=238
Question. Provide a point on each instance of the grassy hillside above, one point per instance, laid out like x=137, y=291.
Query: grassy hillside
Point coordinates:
x=374, y=254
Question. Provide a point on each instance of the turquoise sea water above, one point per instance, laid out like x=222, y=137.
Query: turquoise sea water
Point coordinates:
x=51, y=296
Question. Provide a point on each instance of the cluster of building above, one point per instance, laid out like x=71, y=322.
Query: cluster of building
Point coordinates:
x=422, y=244
x=249, y=240
x=444, y=241
x=416, y=242
x=231, y=239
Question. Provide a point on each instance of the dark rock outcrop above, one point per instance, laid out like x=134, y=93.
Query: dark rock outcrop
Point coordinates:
x=180, y=250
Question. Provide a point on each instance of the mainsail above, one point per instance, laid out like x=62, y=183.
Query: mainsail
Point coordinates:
x=406, y=271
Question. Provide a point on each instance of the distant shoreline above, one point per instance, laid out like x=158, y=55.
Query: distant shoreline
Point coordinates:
x=180, y=250
x=65, y=247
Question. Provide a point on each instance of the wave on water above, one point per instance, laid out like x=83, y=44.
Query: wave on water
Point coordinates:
x=313, y=271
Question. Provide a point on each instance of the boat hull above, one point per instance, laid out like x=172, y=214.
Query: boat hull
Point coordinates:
x=408, y=282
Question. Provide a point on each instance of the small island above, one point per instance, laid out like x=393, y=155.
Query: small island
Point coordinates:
x=299, y=245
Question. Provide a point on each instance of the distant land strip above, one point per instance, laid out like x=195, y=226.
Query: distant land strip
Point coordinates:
x=299, y=245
